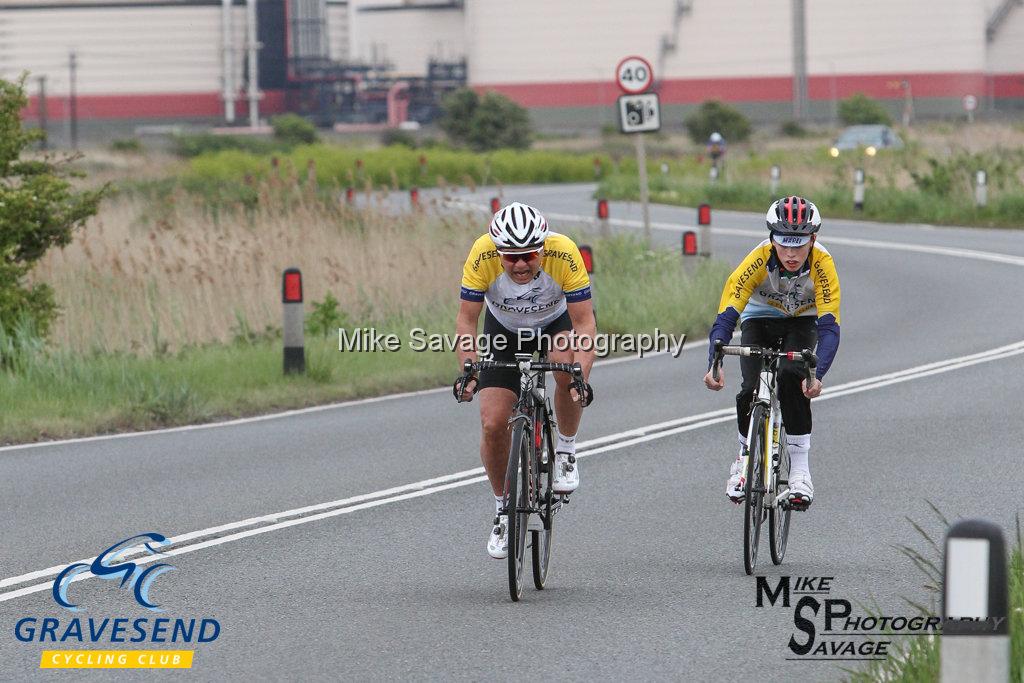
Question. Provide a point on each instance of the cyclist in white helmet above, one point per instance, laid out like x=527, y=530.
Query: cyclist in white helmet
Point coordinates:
x=537, y=291
x=786, y=288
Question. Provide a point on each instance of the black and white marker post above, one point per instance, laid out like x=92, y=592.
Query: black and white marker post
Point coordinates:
x=294, y=336
x=975, y=608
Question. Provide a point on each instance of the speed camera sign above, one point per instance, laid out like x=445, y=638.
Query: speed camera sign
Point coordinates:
x=634, y=75
x=639, y=113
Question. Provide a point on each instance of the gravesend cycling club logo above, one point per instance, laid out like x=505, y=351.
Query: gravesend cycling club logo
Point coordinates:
x=134, y=565
x=827, y=629
x=105, y=566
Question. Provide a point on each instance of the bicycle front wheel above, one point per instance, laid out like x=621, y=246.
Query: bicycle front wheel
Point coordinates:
x=542, y=477
x=517, y=504
x=778, y=515
x=753, y=506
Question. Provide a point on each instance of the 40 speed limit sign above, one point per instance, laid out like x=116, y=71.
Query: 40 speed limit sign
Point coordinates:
x=634, y=75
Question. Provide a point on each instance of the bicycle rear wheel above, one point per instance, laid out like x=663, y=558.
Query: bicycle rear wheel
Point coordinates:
x=753, y=506
x=541, y=540
x=517, y=505
x=778, y=515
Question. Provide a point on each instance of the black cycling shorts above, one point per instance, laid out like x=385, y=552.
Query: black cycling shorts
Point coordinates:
x=507, y=377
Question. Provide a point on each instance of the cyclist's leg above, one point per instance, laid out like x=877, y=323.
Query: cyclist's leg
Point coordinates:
x=498, y=390
x=801, y=333
x=752, y=331
x=556, y=338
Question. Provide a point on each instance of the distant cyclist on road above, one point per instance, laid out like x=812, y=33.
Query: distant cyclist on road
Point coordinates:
x=716, y=148
x=786, y=288
x=537, y=290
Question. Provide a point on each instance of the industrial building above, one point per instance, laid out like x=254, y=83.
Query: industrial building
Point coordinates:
x=166, y=61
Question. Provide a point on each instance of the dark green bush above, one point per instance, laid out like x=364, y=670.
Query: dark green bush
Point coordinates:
x=861, y=109
x=714, y=116
x=792, y=129
x=39, y=209
x=397, y=136
x=126, y=145
x=202, y=143
x=487, y=123
x=292, y=129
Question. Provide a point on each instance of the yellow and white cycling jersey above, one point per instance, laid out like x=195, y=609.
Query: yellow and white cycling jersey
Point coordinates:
x=760, y=288
x=562, y=277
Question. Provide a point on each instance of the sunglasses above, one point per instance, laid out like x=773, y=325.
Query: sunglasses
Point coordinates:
x=528, y=257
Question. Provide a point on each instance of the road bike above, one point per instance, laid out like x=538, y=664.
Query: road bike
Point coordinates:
x=765, y=460
x=529, y=500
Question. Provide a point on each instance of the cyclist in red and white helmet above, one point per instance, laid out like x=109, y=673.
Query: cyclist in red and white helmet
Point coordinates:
x=786, y=288
x=537, y=293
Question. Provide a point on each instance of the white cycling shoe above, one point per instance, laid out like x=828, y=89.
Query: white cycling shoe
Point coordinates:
x=497, y=544
x=567, y=473
x=737, y=482
x=801, y=490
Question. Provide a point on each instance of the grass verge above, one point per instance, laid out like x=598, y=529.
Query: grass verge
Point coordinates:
x=917, y=660
x=47, y=393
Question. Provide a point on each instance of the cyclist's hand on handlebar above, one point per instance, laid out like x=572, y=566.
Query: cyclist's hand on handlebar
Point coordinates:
x=709, y=380
x=464, y=388
x=811, y=389
x=581, y=388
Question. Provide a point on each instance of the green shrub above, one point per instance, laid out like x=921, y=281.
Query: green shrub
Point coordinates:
x=491, y=122
x=39, y=209
x=194, y=145
x=126, y=145
x=397, y=136
x=861, y=109
x=714, y=116
x=292, y=129
x=792, y=129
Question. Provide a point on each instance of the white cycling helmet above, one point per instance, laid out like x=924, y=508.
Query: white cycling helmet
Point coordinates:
x=716, y=137
x=792, y=221
x=518, y=227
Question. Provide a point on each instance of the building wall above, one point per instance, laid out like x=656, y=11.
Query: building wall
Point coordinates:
x=338, y=29
x=407, y=36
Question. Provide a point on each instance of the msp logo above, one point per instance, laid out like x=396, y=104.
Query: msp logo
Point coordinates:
x=105, y=567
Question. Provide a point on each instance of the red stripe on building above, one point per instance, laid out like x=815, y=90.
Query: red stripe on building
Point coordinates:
x=153, y=106
x=767, y=89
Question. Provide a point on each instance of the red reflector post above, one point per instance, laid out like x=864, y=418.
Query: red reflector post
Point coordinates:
x=414, y=197
x=292, y=289
x=495, y=204
x=602, y=208
x=350, y=195
x=704, y=214
x=689, y=243
x=588, y=258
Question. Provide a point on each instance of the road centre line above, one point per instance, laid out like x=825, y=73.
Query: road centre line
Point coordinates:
x=466, y=477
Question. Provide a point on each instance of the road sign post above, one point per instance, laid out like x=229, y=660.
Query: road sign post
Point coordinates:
x=639, y=112
x=970, y=103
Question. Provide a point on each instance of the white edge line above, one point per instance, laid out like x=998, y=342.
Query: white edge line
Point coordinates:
x=456, y=480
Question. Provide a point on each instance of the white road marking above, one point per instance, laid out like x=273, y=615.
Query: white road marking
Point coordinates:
x=426, y=487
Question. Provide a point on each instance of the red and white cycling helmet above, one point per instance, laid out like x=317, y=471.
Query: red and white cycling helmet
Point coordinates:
x=792, y=221
x=518, y=227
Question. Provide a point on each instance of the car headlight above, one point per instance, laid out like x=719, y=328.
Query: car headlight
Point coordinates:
x=834, y=152
x=871, y=151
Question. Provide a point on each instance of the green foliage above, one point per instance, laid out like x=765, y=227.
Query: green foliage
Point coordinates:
x=189, y=146
x=126, y=145
x=292, y=129
x=326, y=317
x=39, y=209
x=488, y=123
x=714, y=116
x=861, y=109
x=792, y=129
x=397, y=136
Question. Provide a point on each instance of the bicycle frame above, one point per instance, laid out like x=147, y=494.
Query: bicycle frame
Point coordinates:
x=765, y=395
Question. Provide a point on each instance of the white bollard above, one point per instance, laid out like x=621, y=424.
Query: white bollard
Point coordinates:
x=980, y=189
x=776, y=175
x=975, y=608
x=293, y=327
x=713, y=174
x=858, y=189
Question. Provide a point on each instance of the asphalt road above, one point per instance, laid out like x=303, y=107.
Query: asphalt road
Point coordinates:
x=647, y=577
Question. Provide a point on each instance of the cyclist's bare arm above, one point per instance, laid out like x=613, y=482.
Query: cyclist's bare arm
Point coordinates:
x=585, y=326
x=465, y=328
